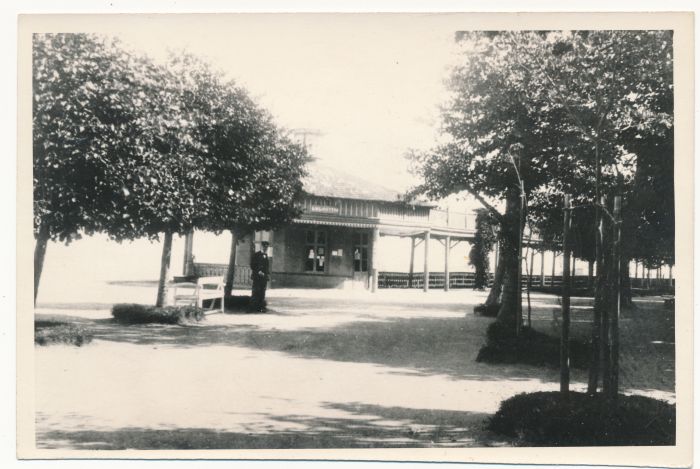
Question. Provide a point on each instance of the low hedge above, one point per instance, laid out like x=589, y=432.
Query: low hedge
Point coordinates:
x=531, y=347
x=56, y=332
x=490, y=311
x=131, y=313
x=546, y=419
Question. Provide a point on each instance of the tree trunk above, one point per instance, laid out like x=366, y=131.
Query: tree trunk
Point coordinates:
x=42, y=241
x=164, y=268
x=625, y=284
x=508, y=312
x=231, y=271
x=590, y=273
x=494, y=297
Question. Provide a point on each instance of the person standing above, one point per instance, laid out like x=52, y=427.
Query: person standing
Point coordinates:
x=260, y=267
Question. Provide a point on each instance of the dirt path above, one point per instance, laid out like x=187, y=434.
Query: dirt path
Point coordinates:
x=325, y=369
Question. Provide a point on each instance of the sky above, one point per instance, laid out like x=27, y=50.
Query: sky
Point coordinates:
x=369, y=88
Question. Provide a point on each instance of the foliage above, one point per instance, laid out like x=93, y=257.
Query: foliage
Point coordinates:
x=547, y=419
x=484, y=238
x=530, y=347
x=132, y=148
x=129, y=313
x=83, y=124
x=57, y=332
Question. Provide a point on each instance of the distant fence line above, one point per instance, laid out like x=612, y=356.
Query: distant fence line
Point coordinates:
x=435, y=280
x=466, y=280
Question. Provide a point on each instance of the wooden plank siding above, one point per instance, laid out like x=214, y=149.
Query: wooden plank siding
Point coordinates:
x=384, y=210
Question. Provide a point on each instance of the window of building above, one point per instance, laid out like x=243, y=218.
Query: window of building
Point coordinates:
x=315, y=252
x=360, y=251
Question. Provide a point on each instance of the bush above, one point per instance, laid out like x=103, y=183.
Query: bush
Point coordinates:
x=545, y=419
x=130, y=313
x=490, y=311
x=530, y=347
x=56, y=332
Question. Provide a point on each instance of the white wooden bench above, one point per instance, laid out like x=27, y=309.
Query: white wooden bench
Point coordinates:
x=206, y=288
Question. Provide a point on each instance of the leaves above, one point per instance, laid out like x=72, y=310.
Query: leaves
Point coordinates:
x=557, y=96
x=131, y=148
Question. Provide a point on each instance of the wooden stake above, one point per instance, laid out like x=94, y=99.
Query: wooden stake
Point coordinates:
x=615, y=299
x=565, y=303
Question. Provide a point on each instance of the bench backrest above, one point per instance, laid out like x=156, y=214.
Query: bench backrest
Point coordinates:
x=210, y=283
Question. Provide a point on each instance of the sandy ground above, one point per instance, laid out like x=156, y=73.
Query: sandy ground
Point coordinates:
x=325, y=368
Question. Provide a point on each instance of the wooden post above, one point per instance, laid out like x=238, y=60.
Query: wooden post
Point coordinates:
x=529, y=283
x=413, y=256
x=426, y=273
x=187, y=266
x=636, y=269
x=542, y=268
x=670, y=275
x=373, y=271
x=565, y=303
x=554, y=265
x=615, y=317
x=605, y=311
x=447, y=263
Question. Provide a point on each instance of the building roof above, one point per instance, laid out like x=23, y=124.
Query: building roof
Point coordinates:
x=325, y=181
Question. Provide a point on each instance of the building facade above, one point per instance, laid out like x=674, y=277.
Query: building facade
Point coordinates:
x=334, y=242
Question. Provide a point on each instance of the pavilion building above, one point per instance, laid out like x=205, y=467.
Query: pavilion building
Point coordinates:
x=334, y=242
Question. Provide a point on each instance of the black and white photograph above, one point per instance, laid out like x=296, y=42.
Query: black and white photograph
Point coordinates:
x=433, y=233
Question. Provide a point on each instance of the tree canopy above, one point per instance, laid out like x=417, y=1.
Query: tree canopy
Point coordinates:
x=134, y=148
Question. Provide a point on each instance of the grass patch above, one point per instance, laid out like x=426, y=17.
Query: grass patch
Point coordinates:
x=56, y=332
x=545, y=419
x=529, y=348
x=130, y=313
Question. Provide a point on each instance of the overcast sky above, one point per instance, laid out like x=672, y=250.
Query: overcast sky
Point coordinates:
x=371, y=87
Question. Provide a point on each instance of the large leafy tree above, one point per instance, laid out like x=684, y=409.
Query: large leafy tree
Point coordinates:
x=254, y=172
x=499, y=140
x=87, y=124
x=615, y=87
x=151, y=150
x=565, y=109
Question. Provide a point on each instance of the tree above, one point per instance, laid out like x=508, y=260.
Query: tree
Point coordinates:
x=563, y=108
x=497, y=137
x=484, y=238
x=254, y=170
x=608, y=83
x=85, y=125
x=135, y=149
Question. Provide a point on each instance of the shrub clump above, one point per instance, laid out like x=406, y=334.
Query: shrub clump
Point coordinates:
x=546, y=419
x=56, y=332
x=530, y=348
x=490, y=311
x=130, y=313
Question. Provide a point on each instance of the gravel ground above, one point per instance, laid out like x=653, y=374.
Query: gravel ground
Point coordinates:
x=323, y=369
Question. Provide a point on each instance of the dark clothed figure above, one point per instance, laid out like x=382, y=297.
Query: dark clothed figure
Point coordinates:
x=260, y=266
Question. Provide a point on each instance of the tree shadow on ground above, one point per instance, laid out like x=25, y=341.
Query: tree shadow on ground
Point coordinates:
x=364, y=426
x=419, y=345
x=412, y=346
